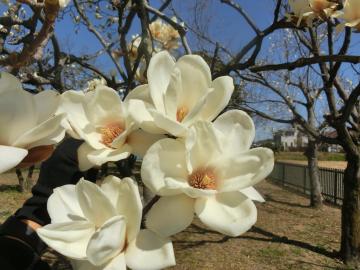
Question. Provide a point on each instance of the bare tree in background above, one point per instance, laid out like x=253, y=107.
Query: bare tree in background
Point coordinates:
x=37, y=58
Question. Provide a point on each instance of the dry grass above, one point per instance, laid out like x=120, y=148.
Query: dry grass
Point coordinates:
x=288, y=235
x=322, y=164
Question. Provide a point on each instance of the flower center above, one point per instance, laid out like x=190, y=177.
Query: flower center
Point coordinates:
x=203, y=179
x=181, y=113
x=110, y=132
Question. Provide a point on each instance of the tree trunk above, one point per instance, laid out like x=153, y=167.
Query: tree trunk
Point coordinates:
x=350, y=214
x=315, y=186
x=21, y=179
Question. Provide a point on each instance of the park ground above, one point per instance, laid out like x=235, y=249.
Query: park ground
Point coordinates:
x=287, y=235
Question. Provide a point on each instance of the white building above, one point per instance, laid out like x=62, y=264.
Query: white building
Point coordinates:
x=290, y=139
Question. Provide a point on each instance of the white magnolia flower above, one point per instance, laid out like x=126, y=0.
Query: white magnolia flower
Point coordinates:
x=93, y=84
x=99, y=227
x=351, y=15
x=27, y=122
x=178, y=94
x=165, y=34
x=307, y=10
x=211, y=173
x=302, y=12
x=101, y=119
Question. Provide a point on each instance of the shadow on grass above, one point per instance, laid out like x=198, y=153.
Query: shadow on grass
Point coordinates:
x=5, y=188
x=269, y=198
x=267, y=237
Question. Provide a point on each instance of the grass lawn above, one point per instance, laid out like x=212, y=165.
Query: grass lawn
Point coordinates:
x=323, y=156
x=288, y=235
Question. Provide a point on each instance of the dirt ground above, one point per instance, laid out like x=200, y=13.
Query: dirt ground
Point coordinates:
x=323, y=164
x=288, y=235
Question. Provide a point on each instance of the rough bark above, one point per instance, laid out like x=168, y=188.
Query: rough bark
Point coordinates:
x=350, y=219
x=315, y=186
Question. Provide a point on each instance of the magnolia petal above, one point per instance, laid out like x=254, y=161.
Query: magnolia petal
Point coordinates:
x=84, y=265
x=239, y=130
x=99, y=157
x=229, y=213
x=245, y=170
x=159, y=74
x=82, y=155
x=203, y=145
x=63, y=205
x=104, y=103
x=195, y=111
x=141, y=92
x=218, y=99
x=94, y=202
x=170, y=215
x=68, y=238
x=125, y=196
x=148, y=252
x=73, y=104
x=108, y=241
x=171, y=94
x=169, y=125
x=17, y=109
x=140, y=141
x=118, y=263
x=46, y=103
x=165, y=158
x=195, y=77
x=140, y=112
x=10, y=157
x=50, y=127
x=252, y=194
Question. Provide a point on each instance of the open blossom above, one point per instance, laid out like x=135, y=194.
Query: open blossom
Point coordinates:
x=99, y=227
x=178, y=94
x=307, y=10
x=101, y=119
x=165, y=34
x=210, y=172
x=350, y=14
x=28, y=125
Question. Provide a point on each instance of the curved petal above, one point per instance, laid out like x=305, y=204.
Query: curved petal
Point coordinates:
x=50, y=127
x=108, y=241
x=84, y=265
x=148, y=252
x=171, y=95
x=124, y=195
x=164, y=159
x=195, y=111
x=118, y=263
x=10, y=157
x=158, y=74
x=170, y=126
x=82, y=155
x=195, y=77
x=94, y=203
x=239, y=130
x=63, y=205
x=170, y=215
x=218, y=99
x=203, y=145
x=140, y=141
x=17, y=109
x=229, y=213
x=68, y=238
x=46, y=103
x=245, y=170
x=141, y=92
x=140, y=112
x=99, y=157
x=104, y=103
x=252, y=194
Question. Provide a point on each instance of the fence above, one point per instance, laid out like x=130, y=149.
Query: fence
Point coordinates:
x=297, y=177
